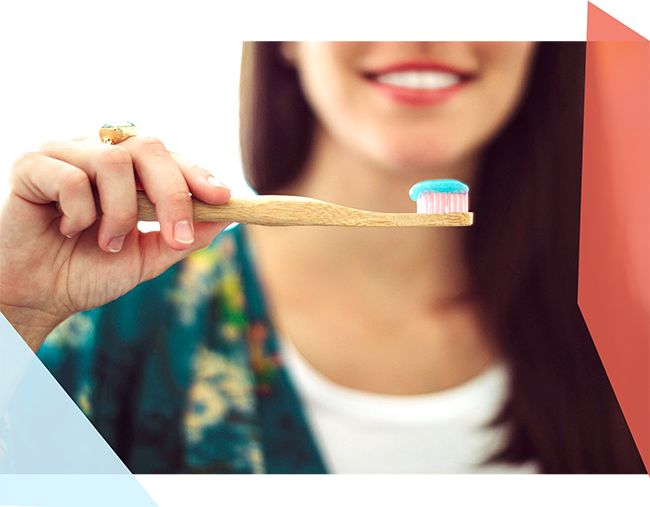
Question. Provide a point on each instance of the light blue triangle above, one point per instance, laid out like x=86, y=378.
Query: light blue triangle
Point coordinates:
x=50, y=454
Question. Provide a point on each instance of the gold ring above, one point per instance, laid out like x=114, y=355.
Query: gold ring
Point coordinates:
x=114, y=134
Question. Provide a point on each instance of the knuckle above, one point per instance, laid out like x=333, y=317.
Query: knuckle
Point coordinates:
x=49, y=146
x=73, y=179
x=178, y=197
x=22, y=166
x=26, y=160
x=123, y=216
x=115, y=157
x=151, y=143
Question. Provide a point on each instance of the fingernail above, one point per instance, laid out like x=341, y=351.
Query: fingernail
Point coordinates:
x=115, y=244
x=71, y=235
x=215, y=182
x=183, y=232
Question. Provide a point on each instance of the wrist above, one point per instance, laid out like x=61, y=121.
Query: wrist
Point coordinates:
x=33, y=325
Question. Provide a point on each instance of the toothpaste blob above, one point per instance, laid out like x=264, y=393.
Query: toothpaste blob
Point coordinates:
x=440, y=196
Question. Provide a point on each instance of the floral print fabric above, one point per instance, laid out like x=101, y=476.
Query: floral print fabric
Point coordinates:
x=183, y=374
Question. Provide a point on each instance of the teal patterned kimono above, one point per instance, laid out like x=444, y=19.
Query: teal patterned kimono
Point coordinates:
x=183, y=374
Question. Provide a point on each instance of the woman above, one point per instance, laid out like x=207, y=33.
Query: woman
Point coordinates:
x=322, y=349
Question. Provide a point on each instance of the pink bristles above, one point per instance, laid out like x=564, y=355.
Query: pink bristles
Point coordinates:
x=438, y=202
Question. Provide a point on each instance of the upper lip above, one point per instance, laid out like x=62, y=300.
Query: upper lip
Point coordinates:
x=419, y=65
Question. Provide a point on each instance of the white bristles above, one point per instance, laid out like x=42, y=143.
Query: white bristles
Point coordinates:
x=438, y=202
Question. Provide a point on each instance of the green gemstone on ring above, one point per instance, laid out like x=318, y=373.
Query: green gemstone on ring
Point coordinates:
x=112, y=126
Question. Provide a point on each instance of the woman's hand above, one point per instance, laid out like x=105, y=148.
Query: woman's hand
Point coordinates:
x=55, y=264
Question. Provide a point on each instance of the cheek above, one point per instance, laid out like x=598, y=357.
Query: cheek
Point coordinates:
x=326, y=71
x=505, y=67
x=335, y=91
x=322, y=76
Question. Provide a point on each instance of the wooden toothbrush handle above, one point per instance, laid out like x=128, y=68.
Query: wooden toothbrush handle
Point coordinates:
x=294, y=210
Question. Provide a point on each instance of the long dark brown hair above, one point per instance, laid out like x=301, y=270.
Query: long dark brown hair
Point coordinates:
x=522, y=251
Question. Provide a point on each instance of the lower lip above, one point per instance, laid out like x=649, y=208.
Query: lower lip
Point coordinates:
x=418, y=96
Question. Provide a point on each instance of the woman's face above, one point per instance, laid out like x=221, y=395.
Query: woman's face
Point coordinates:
x=407, y=105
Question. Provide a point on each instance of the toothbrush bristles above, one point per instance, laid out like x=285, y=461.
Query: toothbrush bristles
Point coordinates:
x=443, y=202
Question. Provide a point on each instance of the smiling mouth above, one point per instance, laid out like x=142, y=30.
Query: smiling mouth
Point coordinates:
x=418, y=80
x=419, y=83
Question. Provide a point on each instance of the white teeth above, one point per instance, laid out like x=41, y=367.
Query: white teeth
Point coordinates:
x=426, y=80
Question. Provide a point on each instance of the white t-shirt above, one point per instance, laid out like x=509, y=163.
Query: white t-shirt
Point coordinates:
x=364, y=432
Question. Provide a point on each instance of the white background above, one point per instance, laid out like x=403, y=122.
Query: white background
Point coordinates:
x=184, y=93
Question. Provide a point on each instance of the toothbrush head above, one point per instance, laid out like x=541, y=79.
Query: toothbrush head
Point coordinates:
x=440, y=196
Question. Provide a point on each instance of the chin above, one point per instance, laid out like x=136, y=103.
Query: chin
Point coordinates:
x=422, y=156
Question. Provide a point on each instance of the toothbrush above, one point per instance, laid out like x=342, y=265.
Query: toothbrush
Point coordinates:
x=441, y=203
